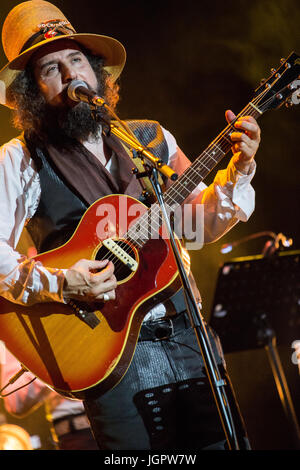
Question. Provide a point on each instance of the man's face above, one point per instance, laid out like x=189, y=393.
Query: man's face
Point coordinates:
x=56, y=65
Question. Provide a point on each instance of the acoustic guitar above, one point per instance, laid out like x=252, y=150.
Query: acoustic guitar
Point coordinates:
x=78, y=348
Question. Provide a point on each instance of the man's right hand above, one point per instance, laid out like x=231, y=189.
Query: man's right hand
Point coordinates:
x=89, y=280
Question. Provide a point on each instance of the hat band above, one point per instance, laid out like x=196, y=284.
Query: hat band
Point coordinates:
x=47, y=32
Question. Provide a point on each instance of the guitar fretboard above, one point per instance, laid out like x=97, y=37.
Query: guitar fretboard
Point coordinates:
x=149, y=224
x=205, y=163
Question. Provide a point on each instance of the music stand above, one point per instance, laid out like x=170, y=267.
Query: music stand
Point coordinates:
x=257, y=304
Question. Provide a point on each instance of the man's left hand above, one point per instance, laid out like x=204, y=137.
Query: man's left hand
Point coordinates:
x=245, y=142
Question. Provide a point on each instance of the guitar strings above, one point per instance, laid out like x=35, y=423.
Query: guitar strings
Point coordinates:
x=178, y=186
x=174, y=188
x=201, y=162
x=249, y=110
x=171, y=191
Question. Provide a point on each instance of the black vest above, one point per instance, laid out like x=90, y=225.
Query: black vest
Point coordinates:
x=61, y=208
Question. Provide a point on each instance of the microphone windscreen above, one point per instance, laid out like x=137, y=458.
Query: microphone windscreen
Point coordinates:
x=72, y=88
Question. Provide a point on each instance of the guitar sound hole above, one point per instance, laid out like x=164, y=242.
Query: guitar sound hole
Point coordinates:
x=122, y=271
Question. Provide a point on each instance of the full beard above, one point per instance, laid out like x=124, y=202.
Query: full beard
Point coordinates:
x=78, y=123
x=68, y=121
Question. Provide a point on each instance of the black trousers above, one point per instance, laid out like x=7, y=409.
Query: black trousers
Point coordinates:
x=164, y=401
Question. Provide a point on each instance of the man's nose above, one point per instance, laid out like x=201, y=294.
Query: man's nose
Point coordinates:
x=68, y=74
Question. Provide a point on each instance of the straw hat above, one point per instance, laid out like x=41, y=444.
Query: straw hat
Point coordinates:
x=33, y=24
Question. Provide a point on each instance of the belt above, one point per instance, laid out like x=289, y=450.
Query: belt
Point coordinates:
x=70, y=424
x=164, y=328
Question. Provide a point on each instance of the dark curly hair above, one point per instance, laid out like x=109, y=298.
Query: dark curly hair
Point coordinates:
x=34, y=116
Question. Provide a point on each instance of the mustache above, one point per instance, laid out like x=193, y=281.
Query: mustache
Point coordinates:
x=63, y=102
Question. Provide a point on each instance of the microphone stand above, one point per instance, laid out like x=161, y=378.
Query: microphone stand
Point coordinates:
x=215, y=379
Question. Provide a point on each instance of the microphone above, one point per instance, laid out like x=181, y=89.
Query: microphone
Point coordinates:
x=78, y=90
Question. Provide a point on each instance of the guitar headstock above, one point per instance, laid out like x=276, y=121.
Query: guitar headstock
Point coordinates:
x=282, y=87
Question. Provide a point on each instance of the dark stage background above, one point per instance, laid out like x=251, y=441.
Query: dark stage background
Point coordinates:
x=187, y=63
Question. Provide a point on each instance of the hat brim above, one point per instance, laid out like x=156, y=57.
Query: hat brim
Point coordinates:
x=112, y=51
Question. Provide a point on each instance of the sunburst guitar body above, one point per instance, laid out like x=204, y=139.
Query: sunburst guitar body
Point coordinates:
x=74, y=347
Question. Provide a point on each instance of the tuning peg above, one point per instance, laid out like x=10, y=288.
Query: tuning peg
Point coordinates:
x=273, y=70
x=289, y=103
x=293, y=85
x=263, y=81
x=282, y=61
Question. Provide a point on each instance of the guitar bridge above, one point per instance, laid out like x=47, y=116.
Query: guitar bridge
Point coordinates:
x=90, y=318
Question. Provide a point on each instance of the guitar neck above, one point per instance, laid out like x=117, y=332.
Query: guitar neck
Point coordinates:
x=205, y=163
x=191, y=178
